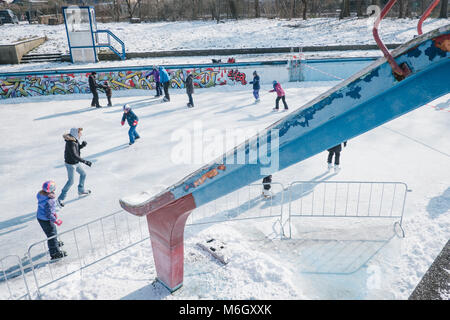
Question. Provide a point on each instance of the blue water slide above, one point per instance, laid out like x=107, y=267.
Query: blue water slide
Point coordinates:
x=366, y=100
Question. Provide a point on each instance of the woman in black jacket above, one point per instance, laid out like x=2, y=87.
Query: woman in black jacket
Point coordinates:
x=72, y=161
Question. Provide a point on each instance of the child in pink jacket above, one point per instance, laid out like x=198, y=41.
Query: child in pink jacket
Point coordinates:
x=280, y=95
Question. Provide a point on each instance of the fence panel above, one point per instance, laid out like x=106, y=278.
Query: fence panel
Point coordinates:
x=86, y=244
x=245, y=203
x=13, y=283
x=347, y=199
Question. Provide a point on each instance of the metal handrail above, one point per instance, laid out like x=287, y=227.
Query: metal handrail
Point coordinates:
x=401, y=73
x=109, y=33
x=425, y=15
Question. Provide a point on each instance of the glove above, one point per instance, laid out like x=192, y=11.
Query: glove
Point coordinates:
x=135, y=123
x=83, y=144
x=88, y=163
x=58, y=222
x=122, y=122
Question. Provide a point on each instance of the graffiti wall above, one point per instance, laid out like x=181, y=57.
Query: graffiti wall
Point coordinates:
x=37, y=84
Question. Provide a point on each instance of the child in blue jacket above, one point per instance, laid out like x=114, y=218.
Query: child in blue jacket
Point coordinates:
x=132, y=120
x=47, y=218
x=256, y=86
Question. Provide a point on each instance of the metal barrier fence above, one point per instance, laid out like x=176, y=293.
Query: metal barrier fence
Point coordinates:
x=359, y=199
x=16, y=270
x=99, y=239
x=245, y=203
x=86, y=244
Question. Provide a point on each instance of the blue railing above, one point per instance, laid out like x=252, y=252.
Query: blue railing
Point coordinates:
x=122, y=54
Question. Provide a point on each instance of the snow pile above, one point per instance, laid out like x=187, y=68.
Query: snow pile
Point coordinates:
x=246, y=33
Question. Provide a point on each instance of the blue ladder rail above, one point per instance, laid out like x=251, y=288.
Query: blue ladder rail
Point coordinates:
x=122, y=54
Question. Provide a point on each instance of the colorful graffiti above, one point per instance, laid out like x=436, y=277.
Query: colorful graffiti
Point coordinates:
x=39, y=85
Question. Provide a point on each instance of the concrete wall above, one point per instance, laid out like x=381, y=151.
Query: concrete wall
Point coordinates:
x=13, y=53
x=26, y=84
x=67, y=81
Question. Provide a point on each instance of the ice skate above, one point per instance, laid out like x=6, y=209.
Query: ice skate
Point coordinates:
x=337, y=168
x=84, y=193
x=267, y=194
x=60, y=203
x=58, y=255
x=275, y=109
x=330, y=166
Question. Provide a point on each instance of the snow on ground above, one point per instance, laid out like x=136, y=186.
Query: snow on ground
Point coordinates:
x=413, y=149
x=246, y=33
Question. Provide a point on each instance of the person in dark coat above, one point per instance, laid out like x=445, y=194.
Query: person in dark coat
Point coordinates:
x=132, y=120
x=72, y=161
x=190, y=89
x=93, y=85
x=47, y=218
x=155, y=74
x=108, y=91
x=336, y=151
x=256, y=86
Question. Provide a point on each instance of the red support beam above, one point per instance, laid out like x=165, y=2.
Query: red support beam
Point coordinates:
x=425, y=15
x=166, y=219
x=399, y=73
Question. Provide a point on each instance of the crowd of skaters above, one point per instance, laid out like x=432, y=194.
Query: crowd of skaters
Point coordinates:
x=47, y=200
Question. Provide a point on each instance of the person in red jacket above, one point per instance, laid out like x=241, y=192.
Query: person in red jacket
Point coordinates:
x=280, y=95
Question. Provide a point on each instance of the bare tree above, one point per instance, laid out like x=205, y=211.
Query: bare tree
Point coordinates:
x=257, y=9
x=345, y=9
x=359, y=7
x=444, y=9
x=233, y=9
x=305, y=8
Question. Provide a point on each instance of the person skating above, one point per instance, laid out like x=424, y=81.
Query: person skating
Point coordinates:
x=280, y=95
x=132, y=120
x=72, y=159
x=336, y=151
x=266, y=186
x=190, y=89
x=93, y=85
x=108, y=91
x=47, y=218
x=256, y=86
x=156, y=79
x=165, y=80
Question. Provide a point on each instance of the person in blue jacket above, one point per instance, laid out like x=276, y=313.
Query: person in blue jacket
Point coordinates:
x=132, y=120
x=256, y=86
x=165, y=80
x=47, y=218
